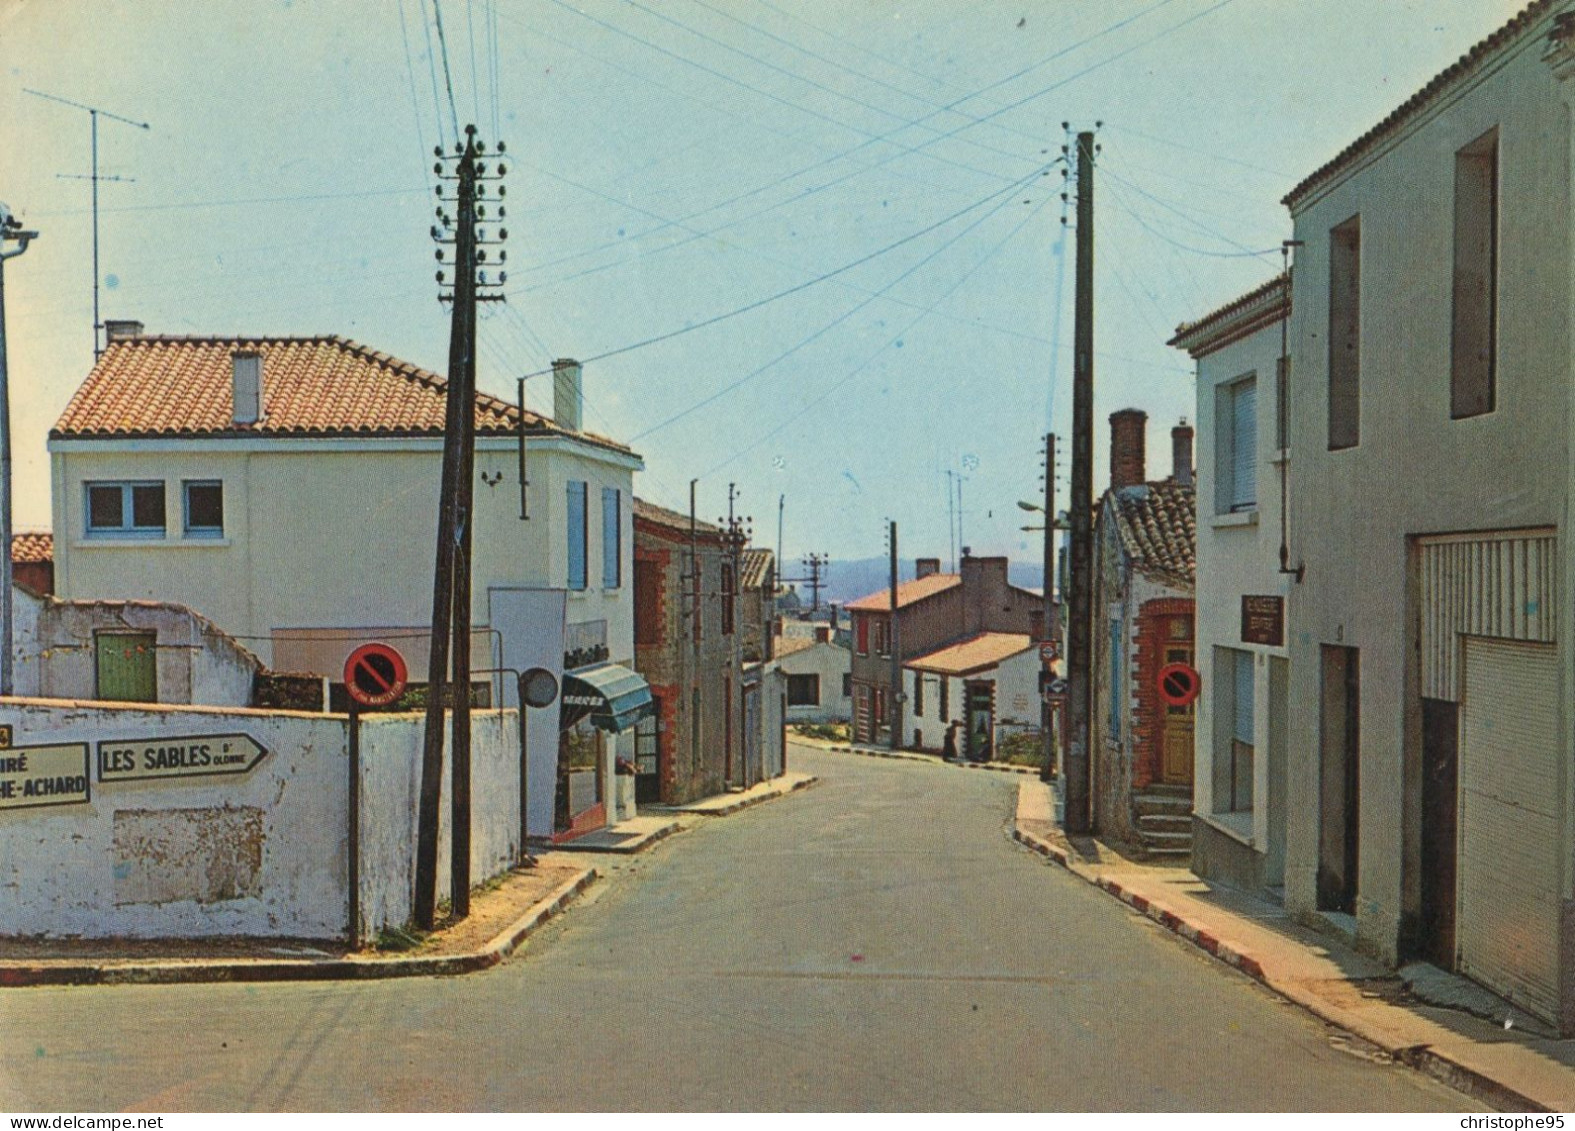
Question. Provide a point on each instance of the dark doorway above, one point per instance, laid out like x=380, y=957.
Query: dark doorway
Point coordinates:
x=647, y=756
x=1339, y=784
x=1440, y=804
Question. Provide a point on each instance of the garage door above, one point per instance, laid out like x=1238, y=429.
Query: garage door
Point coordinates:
x=1509, y=825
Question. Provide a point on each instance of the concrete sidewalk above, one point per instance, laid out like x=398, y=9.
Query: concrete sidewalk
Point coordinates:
x=633, y=835
x=724, y=804
x=1498, y=1061
x=503, y=915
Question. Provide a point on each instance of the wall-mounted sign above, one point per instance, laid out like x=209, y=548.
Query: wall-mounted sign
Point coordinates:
x=1263, y=621
x=1179, y=684
x=1048, y=653
x=375, y=675
x=33, y=776
x=199, y=755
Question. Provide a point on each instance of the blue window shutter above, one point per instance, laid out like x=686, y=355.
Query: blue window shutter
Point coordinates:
x=576, y=534
x=612, y=538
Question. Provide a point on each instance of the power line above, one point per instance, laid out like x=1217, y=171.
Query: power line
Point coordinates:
x=897, y=337
x=448, y=79
x=437, y=99
x=802, y=342
x=415, y=105
x=1209, y=153
x=758, y=303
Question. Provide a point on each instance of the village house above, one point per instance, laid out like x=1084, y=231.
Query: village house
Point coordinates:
x=1140, y=745
x=33, y=561
x=286, y=488
x=756, y=602
x=986, y=686
x=1242, y=717
x=932, y=610
x=1429, y=797
x=819, y=676
x=683, y=646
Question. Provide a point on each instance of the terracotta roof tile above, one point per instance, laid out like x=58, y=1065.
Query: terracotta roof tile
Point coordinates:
x=671, y=520
x=1261, y=306
x=787, y=645
x=33, y=546
x=755, y=567
x=1158, y=527
x=154, y=386
x=908, y=592
x=974, y=654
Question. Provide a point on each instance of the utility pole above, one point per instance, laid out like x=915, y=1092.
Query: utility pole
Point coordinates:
x=736, y=535
x=816, y=564
x=1078, y=817
x=951, y=521
x=1051, y=613
x=93, y=113
x=11, y=231
x=894, y=644
x=451, y=573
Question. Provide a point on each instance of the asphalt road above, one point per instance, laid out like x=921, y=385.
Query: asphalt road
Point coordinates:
x=873, y=943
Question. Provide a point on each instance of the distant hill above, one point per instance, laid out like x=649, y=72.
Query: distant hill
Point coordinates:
x=849, y=579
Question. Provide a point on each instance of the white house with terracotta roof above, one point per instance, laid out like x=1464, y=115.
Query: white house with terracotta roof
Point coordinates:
x=983, y=683
x=1431, y=795
x=1243, y=716
x=288, y=489
x=819, y=677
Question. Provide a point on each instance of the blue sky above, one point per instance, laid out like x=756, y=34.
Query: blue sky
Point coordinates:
x=679, y=159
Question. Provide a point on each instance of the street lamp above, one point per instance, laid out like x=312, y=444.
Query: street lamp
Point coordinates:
x=11, y=230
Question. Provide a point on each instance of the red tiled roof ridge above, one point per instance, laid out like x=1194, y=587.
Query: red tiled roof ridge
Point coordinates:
x=917, y=589
x=1435, y=87
x=1223, y=314
x=32, y=546
x=673, y=520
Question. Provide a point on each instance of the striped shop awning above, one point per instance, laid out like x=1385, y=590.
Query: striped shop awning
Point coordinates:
x=611, y=696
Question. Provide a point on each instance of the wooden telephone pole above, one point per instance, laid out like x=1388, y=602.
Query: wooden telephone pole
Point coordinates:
x=451, y=598
x=1078, y=816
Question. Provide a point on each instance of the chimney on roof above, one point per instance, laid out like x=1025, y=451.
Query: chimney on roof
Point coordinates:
x=120, y=329
x=246, y=385
x=1181, y=453
x=1127, y=428
x=926, y=567
x=822, y=634
x=568, y=397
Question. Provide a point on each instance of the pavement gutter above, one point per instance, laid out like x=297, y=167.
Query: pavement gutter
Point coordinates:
x=301, y=969
x=1441, y=1065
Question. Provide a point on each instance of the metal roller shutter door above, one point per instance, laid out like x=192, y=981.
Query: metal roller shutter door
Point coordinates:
x=1509, y=822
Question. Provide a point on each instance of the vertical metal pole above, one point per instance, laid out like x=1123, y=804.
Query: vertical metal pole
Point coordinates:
x=98, y=323
x=1078, y=818
x=353, y=817
x=524, y=770
x=1051, y=613
x=524, y=482
x=9, y=230
x=896, y=653
x=7, y=610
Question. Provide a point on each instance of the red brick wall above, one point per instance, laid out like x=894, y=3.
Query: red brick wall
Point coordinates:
x=1153, y=634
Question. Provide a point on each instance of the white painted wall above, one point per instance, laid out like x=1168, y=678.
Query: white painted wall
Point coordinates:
x=59, y=870
x=1417, y=471
x=335, y=533
x=831, y=663
x=1238, y=554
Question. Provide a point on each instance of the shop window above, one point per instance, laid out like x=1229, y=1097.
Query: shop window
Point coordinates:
x=1234, y=726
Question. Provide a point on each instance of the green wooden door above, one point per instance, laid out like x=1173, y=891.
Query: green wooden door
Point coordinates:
x=127, y=666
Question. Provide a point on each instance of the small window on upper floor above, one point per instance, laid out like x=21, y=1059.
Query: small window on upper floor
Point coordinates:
x=1236, y=451
x=1475, y=309
x=1345, y=334
x=125, y=509
x=204, y=508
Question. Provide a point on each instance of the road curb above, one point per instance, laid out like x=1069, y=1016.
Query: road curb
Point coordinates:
x=928, y=759
x=1424, y=1058
x=298, y=969
x=750, y=802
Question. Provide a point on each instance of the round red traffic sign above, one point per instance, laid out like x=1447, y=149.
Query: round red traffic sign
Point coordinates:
x=375, y=675
x=1048, y=653
x=1179, y=684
